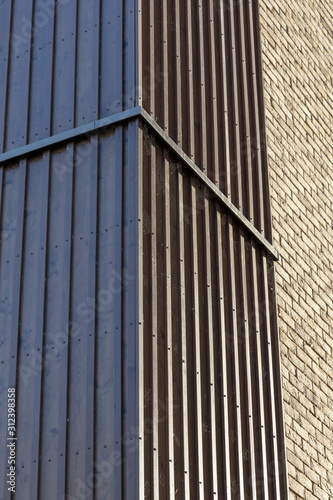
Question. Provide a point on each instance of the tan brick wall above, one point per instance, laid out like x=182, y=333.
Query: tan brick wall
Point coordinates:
x=297, y=43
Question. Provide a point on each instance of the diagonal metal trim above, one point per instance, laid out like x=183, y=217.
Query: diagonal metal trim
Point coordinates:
x=75, y=133
x=211, y=186
x=138, y=112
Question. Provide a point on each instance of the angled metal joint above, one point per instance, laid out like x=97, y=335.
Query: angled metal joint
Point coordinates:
x=125, y=116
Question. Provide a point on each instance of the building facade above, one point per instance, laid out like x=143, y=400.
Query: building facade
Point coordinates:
x=297, y=42
x=139, y=311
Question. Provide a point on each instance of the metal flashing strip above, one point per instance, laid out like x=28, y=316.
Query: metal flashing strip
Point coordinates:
x=138, y=112
x=75, y=133
x=211, y=186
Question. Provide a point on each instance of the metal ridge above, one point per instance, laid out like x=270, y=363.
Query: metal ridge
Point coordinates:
x=138, y=112
x=74, y=133
x=211, y=186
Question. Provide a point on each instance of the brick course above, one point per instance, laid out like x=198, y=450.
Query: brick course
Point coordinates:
x=297, y=46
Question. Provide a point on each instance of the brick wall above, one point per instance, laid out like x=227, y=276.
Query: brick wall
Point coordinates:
x=297, y=44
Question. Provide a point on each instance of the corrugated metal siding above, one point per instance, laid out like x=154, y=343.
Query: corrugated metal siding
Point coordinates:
x=200, y=74
x=138, y=316
x=211, y=397
x=68, y=318
x=65, y=64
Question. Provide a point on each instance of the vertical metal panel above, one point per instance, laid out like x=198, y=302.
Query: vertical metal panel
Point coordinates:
x=55, y=56
x=32, y=321
x=138, y=319
x=19, y=62
x=41, y=81
x=141, y=307
x=64, y=79
x=80, y=406
x=226, y=387
x=54, y=360
x=225, y=466
x=130, y=403
x=12, y=217
x=183, y=329
x=67, y=289
x=5, y=28
x=197, y=347
x=208, y=97
x=108, y=377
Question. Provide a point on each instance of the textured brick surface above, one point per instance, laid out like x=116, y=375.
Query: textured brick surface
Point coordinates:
x=297, y=42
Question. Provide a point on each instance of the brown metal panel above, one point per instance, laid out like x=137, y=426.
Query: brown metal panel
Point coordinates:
x=234, y=118
x=262, y=119
x=262, y=477
x=162, y=378
x=159, y=299
x=206, y=89
x=235, y=377
x=225, y=466
x=151, y=31
x=178, y=75
x=220, y=384
x=258, y=166
x=278, y=396
x=170, y=286
x=197, y=347
x=246, y=148
x=202, y=84
x=210, y=289
x=190, y=88
x=225, y=170
x=273, y=464
x=215, y=158
x=246, y=340
x=154, y=330
x=171, y=74
x=190, y=296
x=141, y=313
x=185, y=473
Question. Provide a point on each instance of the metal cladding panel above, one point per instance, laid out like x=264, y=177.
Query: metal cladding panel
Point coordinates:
x=63, y=64
x=138, y=315
x=210, y=404
x=68, y=318
x=201, y=80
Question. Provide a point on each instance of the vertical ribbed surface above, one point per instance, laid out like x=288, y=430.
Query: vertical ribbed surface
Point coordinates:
x=63, y=65
x=138, y=318
x=68, y=254
x=211, y=396
x=68, y=318
x=200, y=74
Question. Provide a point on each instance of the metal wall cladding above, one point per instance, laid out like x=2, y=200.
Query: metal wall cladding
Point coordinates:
x=66, y=63
x=210, y=396
x=201, y=80
x=138, y=317
x=68, y=305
